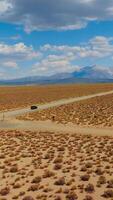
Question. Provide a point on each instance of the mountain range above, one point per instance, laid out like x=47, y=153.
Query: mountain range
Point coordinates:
x=88, y=74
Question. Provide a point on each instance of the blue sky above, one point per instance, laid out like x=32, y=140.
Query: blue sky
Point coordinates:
x=45, y=37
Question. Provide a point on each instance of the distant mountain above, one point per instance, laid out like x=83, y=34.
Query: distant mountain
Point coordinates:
x=88, y=74
x=93, y=72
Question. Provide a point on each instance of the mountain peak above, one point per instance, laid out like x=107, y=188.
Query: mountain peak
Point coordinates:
x=88, y=74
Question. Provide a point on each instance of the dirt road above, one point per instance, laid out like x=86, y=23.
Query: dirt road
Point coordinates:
x=54, y=127
x=10, y=123
x=23, y=111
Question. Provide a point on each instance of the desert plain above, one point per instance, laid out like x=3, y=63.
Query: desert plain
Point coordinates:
x=97, y=112
x=23, y=96
x=57, y=165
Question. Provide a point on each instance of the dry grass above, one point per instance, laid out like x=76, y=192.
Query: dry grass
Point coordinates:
x=16, y=97
x=28, y=172
x=97, y=111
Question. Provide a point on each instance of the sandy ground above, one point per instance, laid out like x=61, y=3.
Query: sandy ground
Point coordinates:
x=93, y=112
x=49, y=166
x=10, y=123
x=51, y=161
x=18, y=112
x=23, y=96
x=54, y=127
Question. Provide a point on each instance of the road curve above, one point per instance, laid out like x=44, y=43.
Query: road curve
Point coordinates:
x=17, y=112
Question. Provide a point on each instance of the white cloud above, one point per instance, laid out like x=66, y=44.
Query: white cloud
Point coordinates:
x=104, y=69
x=77, y=25
x=61, y=58
x=54, y=64
x=4, y=6
x=97, y=47
x=18, y=51
x=55, y=15
x=17, y=56
x=52, y=59
x=11, y=64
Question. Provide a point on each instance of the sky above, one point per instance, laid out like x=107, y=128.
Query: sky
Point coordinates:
x=46, y=37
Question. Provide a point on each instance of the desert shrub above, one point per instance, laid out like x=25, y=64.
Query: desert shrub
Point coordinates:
x=36, y=179
x=48, y=174
x=108, y=194
x=60, y=181
x=2, y=156
x=57, y=166
x=14, y=169
x=83, y=169
x=28, y=198
x=87, y=197
x=101, y=180
x=21, y=193
x=88, y=165
x=33, y=187
x=61, y=148
x=99, y=171
x=89, y=188
x=110, y=184
x=16, y=185
x=15, y=197
x=85, y=177
x=71, y=196
x=5, y=191
x=58, y=198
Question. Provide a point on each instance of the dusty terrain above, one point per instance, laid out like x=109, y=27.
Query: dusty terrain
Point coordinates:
x=96, y=111
x=55, y=166
x=52, y=161
x=23, y=96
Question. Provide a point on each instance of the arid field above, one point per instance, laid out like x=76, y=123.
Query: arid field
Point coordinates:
x=23, y=96
x=96, y=111
x=55, y=166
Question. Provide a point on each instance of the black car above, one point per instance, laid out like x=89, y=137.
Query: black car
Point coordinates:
x=33, y=107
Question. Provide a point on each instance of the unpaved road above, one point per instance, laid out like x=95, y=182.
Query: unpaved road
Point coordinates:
x=54, y=127
x=23, y=111
x=10, y=123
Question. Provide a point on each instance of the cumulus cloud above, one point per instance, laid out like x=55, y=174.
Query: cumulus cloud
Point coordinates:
x=54, y=64
x=60, y=58
x=18, y=51
x=52, y=59
x=55, y=15
x=4, y=6
x=104, y=69
x=16, y=57
x=97, y=47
